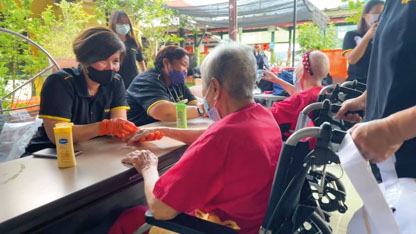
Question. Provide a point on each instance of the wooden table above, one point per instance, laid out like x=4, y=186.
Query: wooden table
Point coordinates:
x=37, y=196
x=270, y=98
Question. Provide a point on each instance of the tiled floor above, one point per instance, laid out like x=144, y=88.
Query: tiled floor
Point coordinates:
x=339, y=222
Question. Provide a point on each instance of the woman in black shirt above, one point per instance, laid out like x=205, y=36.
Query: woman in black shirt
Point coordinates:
x=121, y=24
x=90, y=96
x=358, y=43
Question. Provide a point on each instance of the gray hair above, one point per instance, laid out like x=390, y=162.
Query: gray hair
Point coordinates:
x=234, y=66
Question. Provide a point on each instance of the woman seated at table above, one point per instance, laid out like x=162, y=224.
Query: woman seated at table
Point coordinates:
x=308, y=77
x=152, y=94
x=227, y=173
x=90, y=96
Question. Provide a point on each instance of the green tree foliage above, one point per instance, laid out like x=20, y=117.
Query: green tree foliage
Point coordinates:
x=151, y=18
x=356, y=5
x=59, y=30
x=18, y=60
x=311, y=37
x=54, y=30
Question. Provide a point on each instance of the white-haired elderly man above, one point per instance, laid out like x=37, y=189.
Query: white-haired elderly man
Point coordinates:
x=309, y=74
x=226, y=173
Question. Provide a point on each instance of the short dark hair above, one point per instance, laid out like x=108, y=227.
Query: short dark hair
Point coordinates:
x=97, y=44
x=362, y=26
x=170, y=53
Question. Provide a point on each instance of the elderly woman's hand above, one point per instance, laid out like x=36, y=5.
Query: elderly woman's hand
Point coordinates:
x=269, y=76
x=141, y=160
x=147, y=134
x=375, y=139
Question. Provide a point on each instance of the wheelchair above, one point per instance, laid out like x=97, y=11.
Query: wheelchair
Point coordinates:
x=291, y=206
x=303, y=192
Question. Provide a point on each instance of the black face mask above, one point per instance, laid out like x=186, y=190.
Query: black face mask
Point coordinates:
x=101, y=77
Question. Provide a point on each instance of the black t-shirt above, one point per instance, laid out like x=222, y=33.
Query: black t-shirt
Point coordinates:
x=392, y=73
x=359, y=70
x=148, y=89
x=65, y=97
x=128, y=69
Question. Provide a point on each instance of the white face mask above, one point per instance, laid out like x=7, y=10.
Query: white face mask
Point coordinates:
x=373, y=19
x=296, y=82
x=212, y=112
x=297, y=74
x=122, y=29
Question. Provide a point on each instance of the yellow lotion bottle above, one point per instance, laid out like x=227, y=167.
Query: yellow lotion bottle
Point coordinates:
x=64, y=145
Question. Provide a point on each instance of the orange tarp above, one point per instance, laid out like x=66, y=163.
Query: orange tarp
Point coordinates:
x=338, y=62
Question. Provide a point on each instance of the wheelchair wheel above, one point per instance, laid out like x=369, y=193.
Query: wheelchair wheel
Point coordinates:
x=314, y=225
x=334, y=192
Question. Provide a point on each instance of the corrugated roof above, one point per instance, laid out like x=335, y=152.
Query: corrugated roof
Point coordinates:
x=251, y=13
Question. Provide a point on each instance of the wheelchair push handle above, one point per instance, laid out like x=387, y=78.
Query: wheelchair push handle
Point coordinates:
x=354, y=85
x=335, y=108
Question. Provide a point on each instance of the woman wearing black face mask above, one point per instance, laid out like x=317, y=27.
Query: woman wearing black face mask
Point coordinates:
x=90, y=96
x=152, y=94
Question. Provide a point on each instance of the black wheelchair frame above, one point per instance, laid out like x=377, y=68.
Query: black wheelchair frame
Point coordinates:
x=292, y=208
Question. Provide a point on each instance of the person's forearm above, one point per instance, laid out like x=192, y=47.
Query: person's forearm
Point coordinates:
x=289, y=88
x=85, y=132
x=166, y=112
x=119, y=113
x=363, y=100
x=142, y=66
x=159, y=209
x=402, y=124
x=79, y=132
x=358, y=52
x=192, y=112
x=187, y=136
x=150, y=176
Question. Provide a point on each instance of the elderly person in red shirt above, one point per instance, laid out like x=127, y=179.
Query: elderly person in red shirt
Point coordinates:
x=227, y=172
x=308, y=77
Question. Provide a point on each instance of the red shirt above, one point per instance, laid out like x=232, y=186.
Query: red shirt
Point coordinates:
x=228, y=171
x=288, y=110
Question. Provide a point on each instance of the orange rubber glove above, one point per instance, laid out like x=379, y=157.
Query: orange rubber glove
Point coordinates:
x=117, y=127
x=152, y=136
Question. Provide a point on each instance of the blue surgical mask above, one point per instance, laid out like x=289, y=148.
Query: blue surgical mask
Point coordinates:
x=177, y=77
x=122, y=29
x=212, y=112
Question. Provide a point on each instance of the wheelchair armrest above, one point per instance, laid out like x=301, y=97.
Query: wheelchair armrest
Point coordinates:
x=184, y=223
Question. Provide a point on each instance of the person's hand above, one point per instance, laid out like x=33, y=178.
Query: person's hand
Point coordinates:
x=201, y=105
x=146, y=134
x=371, y=31
x=117, y=127
x=351, y=105
x=269, y=76
x=375, y=140
x=141, y=160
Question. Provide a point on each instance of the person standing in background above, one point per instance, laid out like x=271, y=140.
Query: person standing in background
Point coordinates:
x=358, y=43
x=262, y=64
x=121, y=24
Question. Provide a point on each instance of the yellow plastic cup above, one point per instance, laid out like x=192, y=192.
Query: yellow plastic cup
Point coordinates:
x=64, y=145
x=181, y=121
